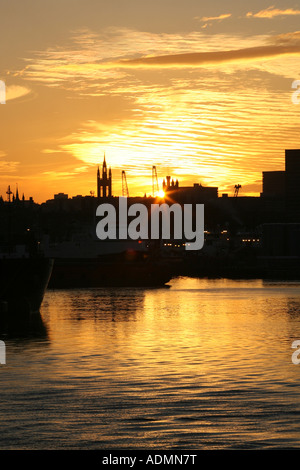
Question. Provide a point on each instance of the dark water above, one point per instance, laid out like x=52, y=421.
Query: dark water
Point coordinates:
x=202, y=365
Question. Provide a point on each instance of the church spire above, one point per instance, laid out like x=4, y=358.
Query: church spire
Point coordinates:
x=104, y=169
x=104, y=182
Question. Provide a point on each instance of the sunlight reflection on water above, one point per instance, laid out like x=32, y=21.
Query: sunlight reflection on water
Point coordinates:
x=203, y=364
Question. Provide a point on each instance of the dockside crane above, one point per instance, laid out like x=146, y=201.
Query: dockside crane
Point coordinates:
x=236, y=190
x=9, y=193
x=125, y=192
x=155, y=187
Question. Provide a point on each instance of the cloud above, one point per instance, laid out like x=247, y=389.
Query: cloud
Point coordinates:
x=59, y=174
x=207, y=58
x=213, y=18
x=16, y=91
x=50, y=151
x=90, y=64
x=272, y=12
x=7, y=166
x=66, y=174
x=218, y=123
x=290, y=39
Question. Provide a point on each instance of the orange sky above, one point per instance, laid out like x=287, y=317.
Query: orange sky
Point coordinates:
x=202, y=91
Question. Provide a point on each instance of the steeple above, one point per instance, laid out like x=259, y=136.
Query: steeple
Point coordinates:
x=104, y=183
x=104, y=169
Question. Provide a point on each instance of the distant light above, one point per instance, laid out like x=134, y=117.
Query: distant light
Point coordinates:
x=161, y=194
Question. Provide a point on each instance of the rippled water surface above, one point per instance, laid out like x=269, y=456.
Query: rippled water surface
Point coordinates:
x=203, y=364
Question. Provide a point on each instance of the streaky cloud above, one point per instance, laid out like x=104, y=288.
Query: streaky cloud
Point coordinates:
x=272, y=12
x=16, y=91
x=195, y=59
x=214, y=18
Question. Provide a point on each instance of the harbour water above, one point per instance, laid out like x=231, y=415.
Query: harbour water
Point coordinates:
x=202, y=364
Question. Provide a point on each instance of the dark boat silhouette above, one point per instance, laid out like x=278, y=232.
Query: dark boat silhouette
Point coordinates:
x=128, y=269
x=84, y=261
x=23, y=282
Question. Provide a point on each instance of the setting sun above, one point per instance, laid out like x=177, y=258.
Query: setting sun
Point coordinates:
x=161, y=194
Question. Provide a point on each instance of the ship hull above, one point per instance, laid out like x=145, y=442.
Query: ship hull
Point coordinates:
x=23, y=284
x=108, y=271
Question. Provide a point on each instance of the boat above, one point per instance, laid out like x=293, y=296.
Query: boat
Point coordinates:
x=127, y=269
x=85, y=261
x=23, y=280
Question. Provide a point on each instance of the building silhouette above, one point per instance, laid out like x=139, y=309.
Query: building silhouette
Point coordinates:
x=273, y=183
x=104, y=183
x=292, y=181
x=188, y=194
x=170, y=185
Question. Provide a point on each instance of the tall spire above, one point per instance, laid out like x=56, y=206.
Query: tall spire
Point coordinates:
x=104, y=182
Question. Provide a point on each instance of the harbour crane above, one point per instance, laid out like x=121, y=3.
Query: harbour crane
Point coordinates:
x=125, y=192
x=9, y=193
x=155, y=187
x=236, y=190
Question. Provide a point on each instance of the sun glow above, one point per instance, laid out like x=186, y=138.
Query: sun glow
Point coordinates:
x=161, y=194
x=212, y=127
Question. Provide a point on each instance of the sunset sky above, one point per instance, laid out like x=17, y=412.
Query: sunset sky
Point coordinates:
x=200, y=89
